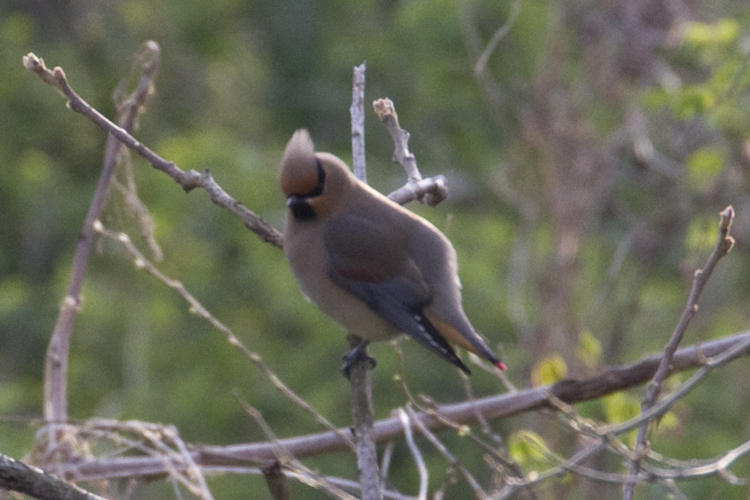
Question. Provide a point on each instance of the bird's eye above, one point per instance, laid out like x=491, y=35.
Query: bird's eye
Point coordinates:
x=300, y=207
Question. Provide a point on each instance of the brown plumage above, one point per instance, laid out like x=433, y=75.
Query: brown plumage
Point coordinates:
x=371, y=265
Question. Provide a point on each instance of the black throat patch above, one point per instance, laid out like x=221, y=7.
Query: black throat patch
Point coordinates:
x=300, y=207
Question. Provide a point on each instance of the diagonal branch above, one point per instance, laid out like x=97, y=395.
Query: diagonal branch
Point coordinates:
x=494, y=407
x=723, y=246
x=17, y=476
x=188, y=180
x=432, y=190
x=141, y=261
x=56, y=364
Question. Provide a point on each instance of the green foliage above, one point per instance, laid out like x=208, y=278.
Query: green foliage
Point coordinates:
x=529, y=450
x=589, y=350
x=698, y=35
x=721, y=50
x=620, y=407
x=549, y=370
x=703, y=166
x=562, y=224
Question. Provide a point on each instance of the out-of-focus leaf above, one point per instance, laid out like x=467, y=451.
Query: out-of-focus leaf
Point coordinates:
x=528, y=448
x=589, y=349
x=722, y=32
x=704, y=165
x=549, y=370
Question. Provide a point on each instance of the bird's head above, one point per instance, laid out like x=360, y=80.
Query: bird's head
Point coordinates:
x=314, y=183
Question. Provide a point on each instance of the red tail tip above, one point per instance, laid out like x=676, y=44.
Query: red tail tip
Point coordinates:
x=501, y=366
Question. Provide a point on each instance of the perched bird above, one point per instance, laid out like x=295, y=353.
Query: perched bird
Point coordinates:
x=373, y=266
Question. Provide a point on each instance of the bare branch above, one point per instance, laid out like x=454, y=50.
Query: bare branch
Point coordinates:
x=287, y=459
x=357, y=112
x=424, y=476
x=386, y=111
x=56, y=363
x=362, y=420
x=188, y=180
x=148, y=58
x=605, y=436
x=440, y=447
x=718, y=466
x=276, y=481
x=385, y=462
x=723, y=246
x=17, y=476
x=430, y=191
x=503, y=30
x=156, y=440
x=197, y=308
x=493, y=407
x=492, y=451
x=360, y=379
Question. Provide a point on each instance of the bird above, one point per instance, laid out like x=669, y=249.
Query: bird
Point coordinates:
x=371, y=265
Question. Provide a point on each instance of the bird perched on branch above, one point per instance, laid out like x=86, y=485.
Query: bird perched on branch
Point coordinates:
x=373, y=266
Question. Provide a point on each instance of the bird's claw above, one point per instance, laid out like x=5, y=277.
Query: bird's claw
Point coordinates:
x=359, y=352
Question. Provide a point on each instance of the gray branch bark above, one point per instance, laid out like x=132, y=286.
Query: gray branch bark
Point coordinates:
x=17, y=476
x=493, y=407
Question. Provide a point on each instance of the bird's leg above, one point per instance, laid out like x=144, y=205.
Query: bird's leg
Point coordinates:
x=355, y=354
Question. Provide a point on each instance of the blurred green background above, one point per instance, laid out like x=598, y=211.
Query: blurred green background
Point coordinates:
x=587, y=164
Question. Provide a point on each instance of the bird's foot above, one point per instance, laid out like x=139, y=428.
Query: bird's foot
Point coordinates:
x=355, y=354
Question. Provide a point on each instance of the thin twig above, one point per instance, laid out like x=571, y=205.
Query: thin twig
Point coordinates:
x=146, y=437
x=424, y=476
x=198, y=481
x=129, y=189
x=717, y=466
x=432, y=190
x=141, y=261
x=114, y=431
x=385, y=462
x=715, y=353
x=188, y=180
x=461, y=429
x=503, y=30
x=286, y=459
x=440, y=447
x=56, y=363
x=155, y=440
x=723, y=246
x=708, y=364
x=26, y=479
x=386, y=111
x=357, y=112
